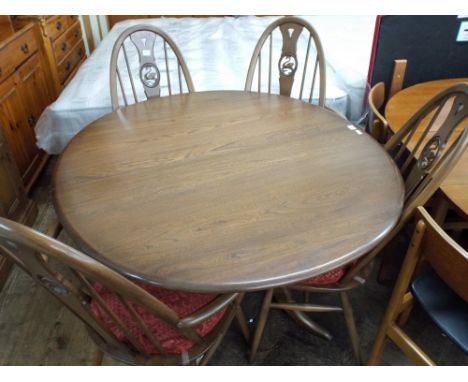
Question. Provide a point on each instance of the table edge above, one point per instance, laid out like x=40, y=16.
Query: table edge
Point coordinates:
x=234, y=287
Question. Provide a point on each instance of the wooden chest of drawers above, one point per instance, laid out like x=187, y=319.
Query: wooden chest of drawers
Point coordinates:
x=63, y=44
x=25, y=92
x=15, y=51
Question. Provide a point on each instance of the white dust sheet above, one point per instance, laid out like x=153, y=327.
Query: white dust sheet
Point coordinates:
x=218, y=52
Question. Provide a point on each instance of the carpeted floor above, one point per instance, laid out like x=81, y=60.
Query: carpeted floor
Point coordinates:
x=36, y=330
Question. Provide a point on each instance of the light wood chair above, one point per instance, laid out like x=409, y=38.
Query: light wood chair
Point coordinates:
x=133, y=323
x=435, y=154
x=289, y=30
x=442, y=291
x=136, y=80
x=378, y=125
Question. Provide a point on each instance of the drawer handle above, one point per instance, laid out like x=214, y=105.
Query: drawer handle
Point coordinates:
x=0, y=71
x=58, y=25
x=80, y=52
x=31, y=120
x=76, y=33
x=25, y=48
x=64, y=46
x=68, y=65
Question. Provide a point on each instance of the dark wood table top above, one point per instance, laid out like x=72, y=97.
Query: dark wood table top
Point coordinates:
x=225, y=191
x=404, y=105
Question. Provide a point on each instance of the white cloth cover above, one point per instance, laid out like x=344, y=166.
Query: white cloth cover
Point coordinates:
x=218, y=52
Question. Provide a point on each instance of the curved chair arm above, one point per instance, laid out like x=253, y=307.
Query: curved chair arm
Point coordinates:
x=207, y=311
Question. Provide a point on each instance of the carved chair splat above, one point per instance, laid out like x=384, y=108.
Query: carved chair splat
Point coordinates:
x=147, y=75
x=290, y=29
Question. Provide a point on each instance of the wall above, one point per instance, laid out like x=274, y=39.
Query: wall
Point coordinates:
x=427, y=42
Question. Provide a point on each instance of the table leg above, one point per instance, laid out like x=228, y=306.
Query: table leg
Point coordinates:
x=282, y=295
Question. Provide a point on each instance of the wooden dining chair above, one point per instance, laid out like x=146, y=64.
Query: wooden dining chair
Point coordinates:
x=441, y=290
x=292, y=31
x=132, y=322
x=423, y=168
x=146, y=62
x=378, y=125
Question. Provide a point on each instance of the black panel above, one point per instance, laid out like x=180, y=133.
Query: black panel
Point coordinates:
x=427, y=42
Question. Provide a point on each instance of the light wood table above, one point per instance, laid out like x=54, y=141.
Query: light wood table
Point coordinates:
x=225, y=191
x=401, y=107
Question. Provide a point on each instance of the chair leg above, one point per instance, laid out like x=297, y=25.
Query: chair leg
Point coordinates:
x=242, y=322
x=351, y=325
x=401, y=287
x=207, y=357
x=404, y=315
x=301, y=317
x=98, y=357
x=261, y=323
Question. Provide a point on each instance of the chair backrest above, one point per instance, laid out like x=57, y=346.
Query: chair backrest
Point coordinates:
x=440, y=133
x=445, y=256
x=146, y=62
x=73, y=278
x=291, y=31
x=377, y=122
x=429, y=144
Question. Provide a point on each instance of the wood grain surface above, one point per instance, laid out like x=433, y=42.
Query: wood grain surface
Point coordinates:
x=225, y=191
x=403, y=105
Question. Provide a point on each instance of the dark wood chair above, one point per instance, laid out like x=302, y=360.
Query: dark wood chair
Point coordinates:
x=442, y=291
x=434, y=153
x=289, y=30
x=136, y=80
x=132, y=322
x=378, y=125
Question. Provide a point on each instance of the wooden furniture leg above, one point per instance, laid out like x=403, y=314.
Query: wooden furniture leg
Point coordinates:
x=98, y=357
x=399, y=291
x=261, y=323
x=242, y=322
x=301, y=318
x=351, y=325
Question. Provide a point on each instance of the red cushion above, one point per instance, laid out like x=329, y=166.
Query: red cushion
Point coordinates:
x=326, y=278
x=183, y=303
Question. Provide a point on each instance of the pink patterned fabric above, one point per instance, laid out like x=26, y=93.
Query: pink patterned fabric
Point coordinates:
x=183, y=303
x=330, y=277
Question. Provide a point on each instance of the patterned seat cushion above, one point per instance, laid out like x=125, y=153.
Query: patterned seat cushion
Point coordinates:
x=183, y=303
x=326, y=278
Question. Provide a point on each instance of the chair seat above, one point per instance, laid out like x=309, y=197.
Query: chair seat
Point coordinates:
x=448, y=310
x=326, y=278
x=183, y=303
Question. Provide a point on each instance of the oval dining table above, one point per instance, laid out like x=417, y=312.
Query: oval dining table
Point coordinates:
x=400, y=108
x=225, y=191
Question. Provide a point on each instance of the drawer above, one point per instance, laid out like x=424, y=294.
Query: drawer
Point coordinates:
x=70, y=61
x=55, y=26
x=16, y=51
x=63, y=44
x=71, y=19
